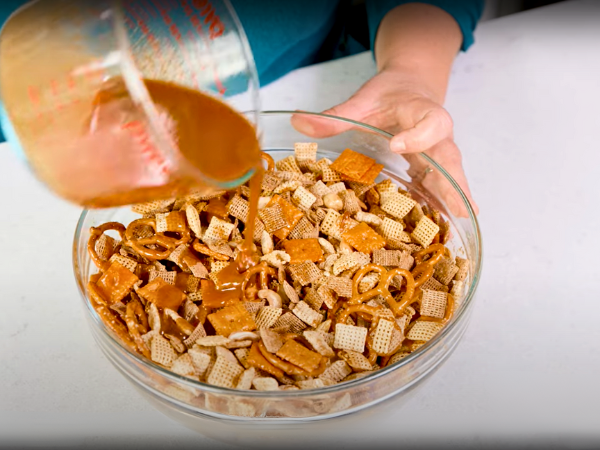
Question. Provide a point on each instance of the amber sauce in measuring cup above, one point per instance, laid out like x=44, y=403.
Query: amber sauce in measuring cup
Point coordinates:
x=209, y=135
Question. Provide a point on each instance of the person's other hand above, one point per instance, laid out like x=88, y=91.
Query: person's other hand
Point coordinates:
x=395, y=102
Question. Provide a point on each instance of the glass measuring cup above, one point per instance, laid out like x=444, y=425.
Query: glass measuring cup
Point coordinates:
x=77, y=103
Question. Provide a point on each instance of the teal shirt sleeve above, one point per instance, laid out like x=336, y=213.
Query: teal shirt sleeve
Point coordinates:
x=466, y=13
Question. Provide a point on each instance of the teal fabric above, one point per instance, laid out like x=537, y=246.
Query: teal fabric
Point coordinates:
x=466, y=13
x=286, y=35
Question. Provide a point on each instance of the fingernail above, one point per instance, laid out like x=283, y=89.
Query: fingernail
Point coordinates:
x=398, y=146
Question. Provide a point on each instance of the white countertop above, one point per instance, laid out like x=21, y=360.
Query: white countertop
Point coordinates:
x=525, y=103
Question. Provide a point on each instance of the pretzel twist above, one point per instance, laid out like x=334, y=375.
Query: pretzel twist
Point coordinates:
x=168, y=244
x=263, y=271
x=95, y=234
x=383, y=287
x=269, y=160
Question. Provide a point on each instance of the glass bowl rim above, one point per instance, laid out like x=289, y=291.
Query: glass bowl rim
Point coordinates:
x=148, y=364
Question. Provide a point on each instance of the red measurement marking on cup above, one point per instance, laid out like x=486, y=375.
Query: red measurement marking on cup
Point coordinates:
x=34, y=95
x=55, y=89
x=216, y=27
x=176, y=34
x=141, y=23
x=71, y=83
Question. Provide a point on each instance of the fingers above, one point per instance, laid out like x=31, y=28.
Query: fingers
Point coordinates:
x=433, y=128
x=447, y=155
x=318, y=127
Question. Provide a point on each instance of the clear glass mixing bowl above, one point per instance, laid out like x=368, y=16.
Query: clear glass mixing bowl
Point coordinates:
x=264, y=418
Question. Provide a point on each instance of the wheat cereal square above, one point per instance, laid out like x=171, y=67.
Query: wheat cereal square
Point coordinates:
x=445, y=271
x=368, y=282
x=457, y=291
x=387, y=257
x=345, y=262
x=341, y=286
x=337, y=371
x=168, y=276
x=327, y=296
x=304, y=273
x=319, y=343
x=199, y=332
x=267, y=316
x=397, y=357
x=313, y=299
x=302, y=229
x=171, y=221
x=183, y=366
x=307, y=315
x=330, y=225
x=288, y=165
x=106, y=247
x=433, y=303
x=152, y=207
x=463, y=268
x=239, y=208
x=221, y=248
x=129, y=263
x=218, y=230
x=386, y=187
x=161, y=351
x=291, y=214
x=303, y=198
x=351, y=203
x=329, y=175
x=289, y=323
x=360, y=189
x=356, y=360
x=272, y=218
x=245, y=379
x=319, y=189
x=217, y=266
x=270, y=181
x=242, y=355
x=200, y=360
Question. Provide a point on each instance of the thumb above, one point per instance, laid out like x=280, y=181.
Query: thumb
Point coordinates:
x=322, y=127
